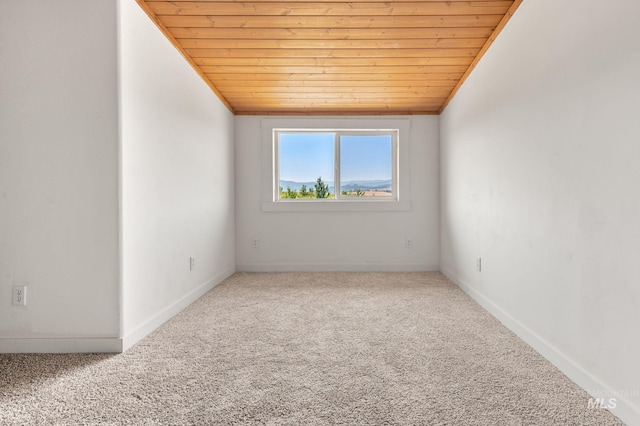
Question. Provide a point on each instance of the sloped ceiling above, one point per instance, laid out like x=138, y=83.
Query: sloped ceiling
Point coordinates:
x=332, y=57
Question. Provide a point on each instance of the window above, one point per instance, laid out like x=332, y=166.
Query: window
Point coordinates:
x=344, y=153
x=329, y=165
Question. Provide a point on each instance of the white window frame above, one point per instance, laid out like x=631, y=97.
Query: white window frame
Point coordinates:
x=271, y=181
x=337, y=134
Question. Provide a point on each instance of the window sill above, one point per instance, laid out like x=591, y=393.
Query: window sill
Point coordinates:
x=334, y=206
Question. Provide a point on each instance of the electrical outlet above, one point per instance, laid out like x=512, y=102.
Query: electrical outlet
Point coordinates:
x=479, y=264
x=19, y=295
x=255, y=243
x=408, y=243
x=192, y=263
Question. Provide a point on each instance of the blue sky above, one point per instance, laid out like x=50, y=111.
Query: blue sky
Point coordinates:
x=365, y=157
x=304, y=157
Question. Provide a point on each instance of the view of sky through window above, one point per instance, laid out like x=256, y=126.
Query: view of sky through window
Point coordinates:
x=365, y=164
x=306, y=156
x=364, y=157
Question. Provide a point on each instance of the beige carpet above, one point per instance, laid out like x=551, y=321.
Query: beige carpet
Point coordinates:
x=307, y=349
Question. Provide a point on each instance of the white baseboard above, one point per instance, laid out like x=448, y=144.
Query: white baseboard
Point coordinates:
x=114, y=344
x=624, y=410
x=338, y=267
x=170, y=311
x=61, y=345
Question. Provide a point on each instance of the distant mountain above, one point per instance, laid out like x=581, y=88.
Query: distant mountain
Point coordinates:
x=297, y=185
x=365, y=185
x=351, y=185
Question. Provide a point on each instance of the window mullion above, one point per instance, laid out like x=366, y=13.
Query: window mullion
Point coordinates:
x=394, y=165
x=336, y=166
x=276, y=164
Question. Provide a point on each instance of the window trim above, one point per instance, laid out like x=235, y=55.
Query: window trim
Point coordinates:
x=270, y=181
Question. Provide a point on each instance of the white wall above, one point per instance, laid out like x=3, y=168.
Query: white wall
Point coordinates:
x=338, y=240
x=59, y=174
x=540, y=175
x=177, y=178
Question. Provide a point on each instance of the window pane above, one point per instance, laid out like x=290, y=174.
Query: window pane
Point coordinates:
x=366, y=165
x=305, y=158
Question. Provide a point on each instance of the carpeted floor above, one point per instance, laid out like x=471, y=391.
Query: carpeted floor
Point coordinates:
x=307, y=349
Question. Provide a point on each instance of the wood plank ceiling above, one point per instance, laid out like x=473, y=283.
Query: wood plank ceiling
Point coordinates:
x=331, y=57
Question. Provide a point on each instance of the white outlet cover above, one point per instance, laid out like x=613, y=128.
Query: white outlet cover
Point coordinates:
x=19, y=295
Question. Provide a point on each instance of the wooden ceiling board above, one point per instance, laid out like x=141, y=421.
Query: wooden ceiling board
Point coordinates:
x=430, y=43
x=332, y=57
x=332, y=33
x=336, y=79
x=351, y=8
x=353, y=61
